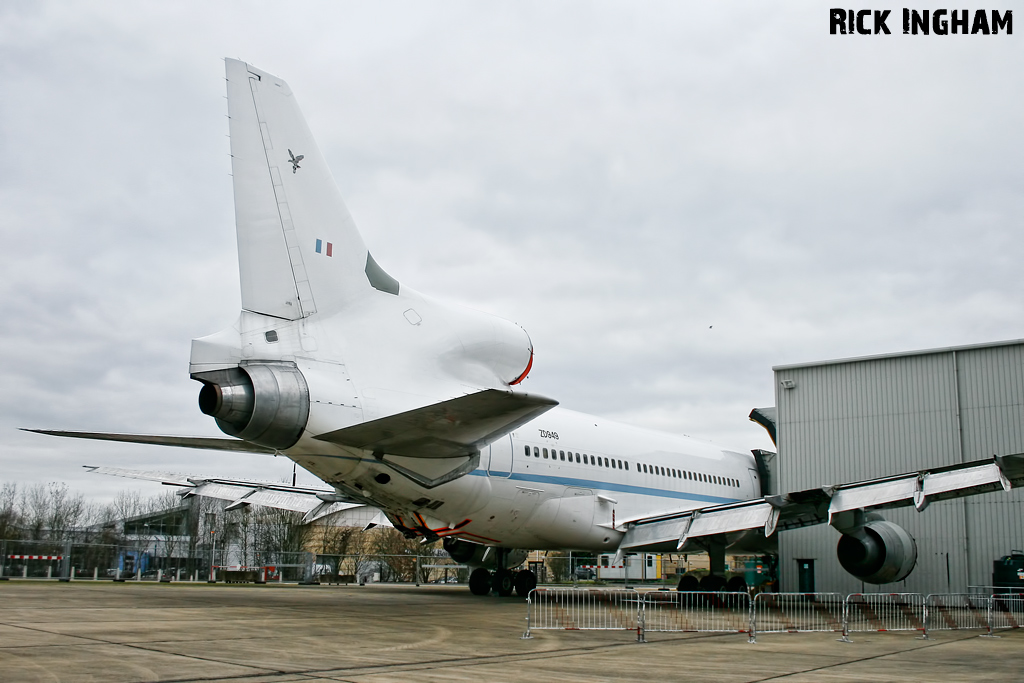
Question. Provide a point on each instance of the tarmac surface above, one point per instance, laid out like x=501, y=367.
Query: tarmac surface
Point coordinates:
x=105, y=631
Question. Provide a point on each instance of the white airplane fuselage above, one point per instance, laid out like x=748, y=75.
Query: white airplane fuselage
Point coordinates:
x=565, y=480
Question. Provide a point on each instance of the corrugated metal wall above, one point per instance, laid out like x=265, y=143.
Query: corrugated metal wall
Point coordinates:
x=851, y=420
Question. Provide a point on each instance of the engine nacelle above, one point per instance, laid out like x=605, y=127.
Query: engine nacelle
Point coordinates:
x=264, y=403
x=878, y=552
x=476, y=555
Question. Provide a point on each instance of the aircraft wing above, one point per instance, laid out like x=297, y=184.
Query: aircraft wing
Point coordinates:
x=455, y=428
x=204, y=442
x=672, y=532
x=314, y=503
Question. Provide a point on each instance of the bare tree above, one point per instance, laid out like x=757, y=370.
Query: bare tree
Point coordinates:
x=10, y=512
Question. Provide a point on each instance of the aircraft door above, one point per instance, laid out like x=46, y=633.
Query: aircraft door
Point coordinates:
x=755, y=482
x=499, y=462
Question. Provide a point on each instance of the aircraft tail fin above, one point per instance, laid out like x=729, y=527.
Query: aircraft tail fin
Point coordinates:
x=299, y=251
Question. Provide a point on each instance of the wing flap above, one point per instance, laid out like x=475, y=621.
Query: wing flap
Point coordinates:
x=816, y=506
x=673, y=533
x=453, y=428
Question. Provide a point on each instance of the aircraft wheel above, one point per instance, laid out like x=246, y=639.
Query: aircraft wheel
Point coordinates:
x=712, y=583
x=688, y=583
x=526, y=581
x=503, y=583
x=736, y=584
x=480, y=581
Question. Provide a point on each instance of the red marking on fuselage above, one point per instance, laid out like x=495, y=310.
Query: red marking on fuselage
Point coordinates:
x=526, y=372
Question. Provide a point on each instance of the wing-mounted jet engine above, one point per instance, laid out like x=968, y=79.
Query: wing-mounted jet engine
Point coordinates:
x=875, y=550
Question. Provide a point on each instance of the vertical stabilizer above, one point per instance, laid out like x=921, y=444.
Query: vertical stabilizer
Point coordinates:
x=299, y=252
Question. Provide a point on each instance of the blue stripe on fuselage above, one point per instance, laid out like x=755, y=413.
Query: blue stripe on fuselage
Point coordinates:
x=607, y=486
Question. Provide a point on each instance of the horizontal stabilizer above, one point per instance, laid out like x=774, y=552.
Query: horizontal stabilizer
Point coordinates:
x=313, y=503
x=669, y=532
x=204, y=442
x=458, y=427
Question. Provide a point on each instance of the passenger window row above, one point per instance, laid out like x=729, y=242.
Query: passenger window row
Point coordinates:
x=596, y=460
x=601, y=461
x=691, y=476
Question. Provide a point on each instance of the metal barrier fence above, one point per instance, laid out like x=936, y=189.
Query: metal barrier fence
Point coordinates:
x=704, y=612
x=956, y=611
x=796, y=613
x=707, y=612
x=1005, y=610
x=882, y=612
x=575, y=609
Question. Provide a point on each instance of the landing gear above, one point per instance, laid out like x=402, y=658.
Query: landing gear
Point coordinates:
x=503, y=583
x=480, y=581
x=736, y=584
x=712, y=583
x=526, y=581
x=688, y=583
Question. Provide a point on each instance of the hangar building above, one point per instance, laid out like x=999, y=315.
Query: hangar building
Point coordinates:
x=848, y=420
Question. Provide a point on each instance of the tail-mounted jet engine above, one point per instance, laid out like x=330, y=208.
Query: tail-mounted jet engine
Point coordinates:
x=877, y=551
x=476, y=555
x=263, y=403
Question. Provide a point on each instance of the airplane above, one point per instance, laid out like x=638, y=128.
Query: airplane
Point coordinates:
x=400, y=402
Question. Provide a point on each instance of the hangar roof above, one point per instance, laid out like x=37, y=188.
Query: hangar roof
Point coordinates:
x=901, y=354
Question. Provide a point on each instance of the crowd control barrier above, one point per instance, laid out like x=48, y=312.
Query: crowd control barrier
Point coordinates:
x=1005, y=610
x=956, y=611
x=707, y=612
x=703, y=612
x=796, y=613
x=882, y=612
x=582, y=609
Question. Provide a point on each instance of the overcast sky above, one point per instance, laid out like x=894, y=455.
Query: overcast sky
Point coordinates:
x=670, y=197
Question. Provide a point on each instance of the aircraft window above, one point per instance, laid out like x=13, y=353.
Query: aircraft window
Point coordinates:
x=536, y=452
x=626, y=463
x=674, y=474
x=527, y=451
x=620, y=464
x=662, y=471
x=561, y=455
x=545, y=453
x=606, y=463
x=643, y=467
x=270, y=336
